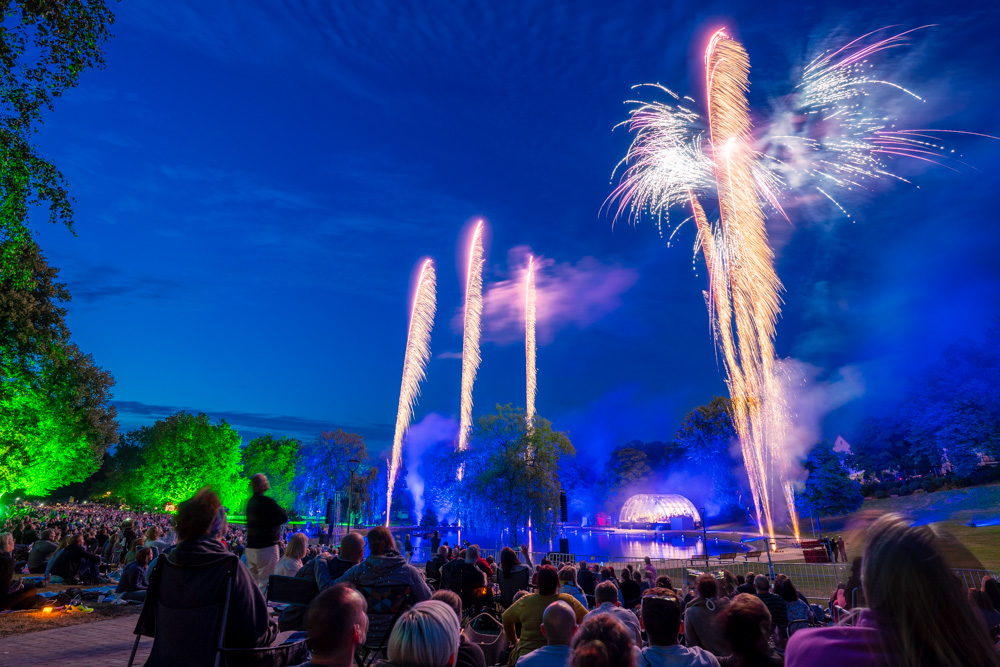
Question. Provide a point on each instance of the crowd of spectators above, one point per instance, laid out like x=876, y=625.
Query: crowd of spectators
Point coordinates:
x=580, y=614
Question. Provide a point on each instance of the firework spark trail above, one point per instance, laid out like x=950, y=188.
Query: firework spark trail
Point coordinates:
x=473, y=331
x=531, y=381
x=418, y=351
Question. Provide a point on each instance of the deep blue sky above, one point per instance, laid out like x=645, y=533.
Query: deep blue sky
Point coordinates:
x=255, y=182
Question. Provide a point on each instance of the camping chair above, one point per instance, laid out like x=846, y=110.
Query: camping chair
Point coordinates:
x=190, y=629
x=385, y=605
x=296, y=593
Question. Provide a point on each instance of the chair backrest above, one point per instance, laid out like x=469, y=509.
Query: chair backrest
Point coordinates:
x=291, y=590
x=385, y=605
x=186, y=609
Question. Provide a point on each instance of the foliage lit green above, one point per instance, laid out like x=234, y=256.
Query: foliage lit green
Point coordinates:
x=277, y=458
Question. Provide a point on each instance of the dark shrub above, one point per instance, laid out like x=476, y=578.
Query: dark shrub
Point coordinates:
x=880, y=492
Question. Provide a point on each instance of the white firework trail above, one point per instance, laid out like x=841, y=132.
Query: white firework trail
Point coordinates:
x=530, y=348
x=418, y=352
x=472, y=332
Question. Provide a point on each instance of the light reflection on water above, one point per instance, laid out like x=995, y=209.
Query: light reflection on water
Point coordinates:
x=598, y=543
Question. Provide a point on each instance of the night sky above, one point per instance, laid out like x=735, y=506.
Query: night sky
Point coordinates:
x=256, y=181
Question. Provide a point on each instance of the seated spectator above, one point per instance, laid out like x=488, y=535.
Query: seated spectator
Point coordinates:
x=608, y=574
x=291, y=562
x=775, y=605
x=513, y=574
x=701, y=618
x=854, y=591
x=602, y=641
x=529, y=610
x=337, y=623
x=630, y=589
x=558, y=625
x=137, y=543
x=12, y=596
x=427, y=635
x=661, y=618
x=991, y=588
x=568, y=585
x=385, y=567
x=747, y=586
x=198, y=520
x=75, y=564
x=746, y=623
x=798, y=612
x=907, y=623
x=980, y=601
x=648, y=581
x=433, y=567
x=467, y=579
x=41, y=551
x=727, y=585
x=585, y=578
x=156, y=539
x=663, y=581
x=469, y=654
x=133, y=583
x=607, y=596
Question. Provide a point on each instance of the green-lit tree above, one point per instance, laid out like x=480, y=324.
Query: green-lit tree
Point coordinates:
x=44, y=47
x=510, y=473
x=56, y=419
x=829, y=489
x=277, y=458
x=182, y=453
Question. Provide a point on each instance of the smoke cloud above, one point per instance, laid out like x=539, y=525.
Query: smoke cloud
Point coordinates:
x=569, y=295
x=428, y=435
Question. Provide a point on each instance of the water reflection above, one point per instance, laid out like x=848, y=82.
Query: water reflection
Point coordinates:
x=634, y=544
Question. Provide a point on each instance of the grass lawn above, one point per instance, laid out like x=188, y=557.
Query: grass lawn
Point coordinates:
x=950, y=511
x=19, y=623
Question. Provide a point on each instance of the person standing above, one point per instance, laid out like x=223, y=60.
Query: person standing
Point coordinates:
x=264, y=521
x=408, y=548
x=435, y=542
x=842, y=548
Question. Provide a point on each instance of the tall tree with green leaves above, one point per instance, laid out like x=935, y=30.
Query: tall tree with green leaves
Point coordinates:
x=182, y=453
x=829, y=489
x=510, y=474
x=56, y=417
x=707, y=434
x=277, y=458
x=324, y=467
x=627, y=471
x=44, y=47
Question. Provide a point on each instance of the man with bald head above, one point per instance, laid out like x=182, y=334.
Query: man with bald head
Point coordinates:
x=337, y=623
x=558, y=626
x=264, y=521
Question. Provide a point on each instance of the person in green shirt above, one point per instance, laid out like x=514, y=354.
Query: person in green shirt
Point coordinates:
x=528, y=611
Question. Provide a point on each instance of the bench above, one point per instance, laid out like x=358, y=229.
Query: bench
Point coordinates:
x=729, y=557
x=700, y=558
x=753, y=554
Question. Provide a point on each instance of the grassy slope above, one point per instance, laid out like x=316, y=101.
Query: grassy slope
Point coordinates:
x=951, y=511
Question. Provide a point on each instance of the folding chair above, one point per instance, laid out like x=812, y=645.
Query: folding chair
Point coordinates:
x=190, y=630
x=296, y=593
x=385, y=605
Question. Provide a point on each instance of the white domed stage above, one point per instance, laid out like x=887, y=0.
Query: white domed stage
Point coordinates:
x=655, y=511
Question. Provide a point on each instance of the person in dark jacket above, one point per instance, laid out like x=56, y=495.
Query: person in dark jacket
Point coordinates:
x=324, y=570
x=41, y=552
x=76, y=563
x=133, y=584
x=23, y=598
x=585, y=577
x=197, y=525
x=434, y=567
x=264, y=521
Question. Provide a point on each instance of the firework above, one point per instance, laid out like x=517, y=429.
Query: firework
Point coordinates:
x=472, y=331
x=531, y=376
x=418, y=351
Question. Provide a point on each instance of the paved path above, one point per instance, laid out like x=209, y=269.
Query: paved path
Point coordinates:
x=98, y=644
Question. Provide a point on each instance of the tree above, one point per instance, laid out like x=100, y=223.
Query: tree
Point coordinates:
x=510, y=474
x=179, y=455
x=880, y=446
x=627, y=470
x=829, y=489
x=323, y=470
x=706, y=436
x=44, y=47
x=56, y=417
x=276, y=458
x=430, y=519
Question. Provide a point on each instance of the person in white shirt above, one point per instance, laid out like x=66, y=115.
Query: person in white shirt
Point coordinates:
x=661, y=618
x=558, y=626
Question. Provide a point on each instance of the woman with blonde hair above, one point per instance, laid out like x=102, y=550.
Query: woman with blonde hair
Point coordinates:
x=917, y=615
x=291, y=562
x=426, y=635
